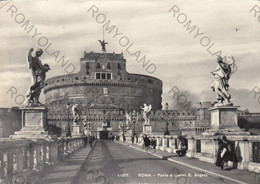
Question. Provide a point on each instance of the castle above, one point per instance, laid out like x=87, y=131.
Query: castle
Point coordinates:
x=106, y=91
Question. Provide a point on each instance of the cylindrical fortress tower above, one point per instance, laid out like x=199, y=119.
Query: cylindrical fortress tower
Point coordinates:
x=102, y=82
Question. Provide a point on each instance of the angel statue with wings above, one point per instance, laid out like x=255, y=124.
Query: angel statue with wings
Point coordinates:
x=76, y=112
x=38, y=75
x=121, y=126
x=220, y=83
x=128, y=120
x=146, y=109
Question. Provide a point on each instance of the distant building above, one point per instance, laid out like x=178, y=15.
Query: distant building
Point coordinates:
x=253, y=117
x=201, y=121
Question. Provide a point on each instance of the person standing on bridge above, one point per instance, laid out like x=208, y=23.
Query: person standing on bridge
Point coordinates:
x=146, y=141
x=133, y=139
x=90, y=141
x=85, y=141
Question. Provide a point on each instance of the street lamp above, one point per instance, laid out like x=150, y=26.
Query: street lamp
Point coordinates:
x=134, y=120
x=166, y=128
x=68, y=110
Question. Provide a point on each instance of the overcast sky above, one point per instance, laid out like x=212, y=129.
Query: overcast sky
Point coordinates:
x=179, y=58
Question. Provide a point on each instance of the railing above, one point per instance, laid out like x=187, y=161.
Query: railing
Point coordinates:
x=23, y=160
x=256, y=152
x=198, y=146
x=205, y=148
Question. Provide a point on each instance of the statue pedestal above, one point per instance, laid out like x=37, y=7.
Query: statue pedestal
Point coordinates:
x=147, y=129
x=75, y=130
x=129, y=132
x=33, y=123
x=224, y=121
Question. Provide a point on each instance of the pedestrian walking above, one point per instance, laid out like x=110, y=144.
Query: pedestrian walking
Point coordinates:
x=146, y=141
x=136, y=138
x=133, y=139
x=85, y=141
x=90, y=141
x=153, y=143
x=124, y=138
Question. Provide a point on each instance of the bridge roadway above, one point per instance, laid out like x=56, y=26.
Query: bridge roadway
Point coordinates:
x=113, y=162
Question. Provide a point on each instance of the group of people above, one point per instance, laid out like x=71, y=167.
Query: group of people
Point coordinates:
x=88, y=139
x=226, y=149
x=111, y=137
x=149, y=143
x=181, y=151
x=182, y=148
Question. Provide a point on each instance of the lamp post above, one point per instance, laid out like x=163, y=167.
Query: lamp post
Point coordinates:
x=166, y=128
x=134, y=120
x=68, y=111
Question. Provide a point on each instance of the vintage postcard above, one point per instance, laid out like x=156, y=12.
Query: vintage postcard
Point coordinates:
x=131, y=92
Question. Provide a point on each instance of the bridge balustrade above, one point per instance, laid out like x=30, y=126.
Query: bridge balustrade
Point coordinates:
x=247, y=148
x=24, y=160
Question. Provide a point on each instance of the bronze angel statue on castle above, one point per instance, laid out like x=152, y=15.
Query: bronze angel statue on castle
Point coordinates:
x=220, y=84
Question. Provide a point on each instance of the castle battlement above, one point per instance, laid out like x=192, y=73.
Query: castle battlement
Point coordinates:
x=103, y=78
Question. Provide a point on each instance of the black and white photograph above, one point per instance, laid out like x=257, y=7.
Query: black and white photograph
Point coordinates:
x=129, y=92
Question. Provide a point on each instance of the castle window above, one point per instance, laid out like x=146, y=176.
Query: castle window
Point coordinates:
x=87, y=65
x=103, y=76
x=119, y=66
x=108, y=66
x=105, y=91
x=150, y=81
x=109, y=76
x=77, y=78
x=87, y=72
x=97, y=75
x=129, y=78
x=98, y=65
x=62, y=79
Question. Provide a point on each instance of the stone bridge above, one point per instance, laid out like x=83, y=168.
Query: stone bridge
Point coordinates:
x=68, y=160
